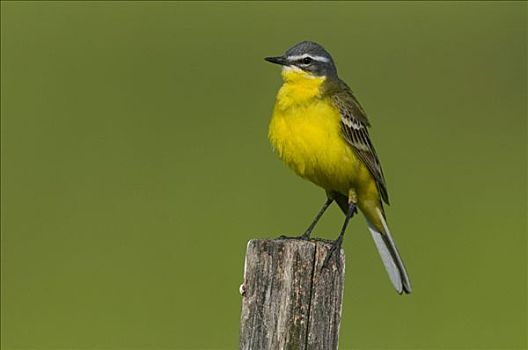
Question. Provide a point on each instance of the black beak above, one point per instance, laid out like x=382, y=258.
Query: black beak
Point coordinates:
x=277, y=60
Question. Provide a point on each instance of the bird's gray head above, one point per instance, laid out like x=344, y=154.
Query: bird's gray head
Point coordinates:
x=308, y=56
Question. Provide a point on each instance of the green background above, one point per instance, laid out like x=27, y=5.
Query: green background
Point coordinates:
x=135, y=167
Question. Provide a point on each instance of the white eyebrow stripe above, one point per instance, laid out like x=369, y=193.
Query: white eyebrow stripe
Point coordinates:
x=315, y=58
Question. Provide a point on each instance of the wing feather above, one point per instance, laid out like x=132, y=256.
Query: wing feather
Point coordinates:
x=354, y=124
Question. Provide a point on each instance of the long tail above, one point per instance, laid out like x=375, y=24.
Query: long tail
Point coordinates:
x=390, y=256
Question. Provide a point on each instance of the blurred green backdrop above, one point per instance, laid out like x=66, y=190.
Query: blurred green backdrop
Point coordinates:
x=135, y=167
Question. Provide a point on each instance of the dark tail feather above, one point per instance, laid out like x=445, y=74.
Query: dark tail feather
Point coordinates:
x=386, y=248
x=391, y=258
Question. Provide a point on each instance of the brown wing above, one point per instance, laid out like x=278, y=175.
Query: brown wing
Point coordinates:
x=355, y=125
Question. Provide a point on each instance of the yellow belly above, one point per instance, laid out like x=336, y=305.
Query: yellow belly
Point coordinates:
x=308, y=138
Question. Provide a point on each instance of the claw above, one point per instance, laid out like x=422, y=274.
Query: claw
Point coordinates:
x=301, y=237
x=334, y=250
x=305, y=236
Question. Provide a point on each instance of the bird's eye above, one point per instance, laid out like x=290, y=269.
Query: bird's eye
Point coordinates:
x=307, y=60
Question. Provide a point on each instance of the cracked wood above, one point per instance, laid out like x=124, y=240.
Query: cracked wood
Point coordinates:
x=289, y=300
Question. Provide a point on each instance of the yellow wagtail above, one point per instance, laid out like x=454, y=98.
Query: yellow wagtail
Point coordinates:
x=320, y=130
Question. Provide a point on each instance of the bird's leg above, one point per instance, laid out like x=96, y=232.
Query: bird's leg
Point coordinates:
x=308, y=232
x=336, y=246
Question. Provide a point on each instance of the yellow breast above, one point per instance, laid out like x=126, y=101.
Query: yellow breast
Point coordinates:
x=305, y=131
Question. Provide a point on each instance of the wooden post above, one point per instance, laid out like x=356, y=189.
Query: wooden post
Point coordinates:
x=289, y=300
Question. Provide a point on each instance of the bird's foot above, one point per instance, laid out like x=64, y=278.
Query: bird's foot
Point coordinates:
x=335, y=249
x=304, y=237
x=287, y=237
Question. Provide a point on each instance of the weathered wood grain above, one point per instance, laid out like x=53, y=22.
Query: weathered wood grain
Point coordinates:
x=289, y=300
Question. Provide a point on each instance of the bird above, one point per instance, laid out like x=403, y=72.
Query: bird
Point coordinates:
x=321, y=131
